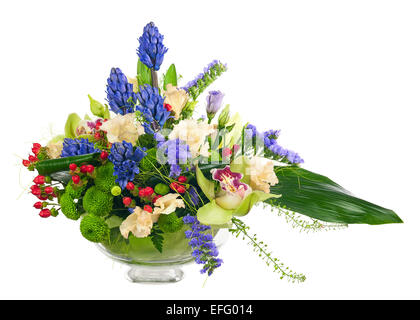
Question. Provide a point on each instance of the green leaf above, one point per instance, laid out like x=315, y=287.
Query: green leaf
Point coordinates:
x=254, y=197
x=320, y=198
x=71, y=125
x=206, y=185
x=96, y=107
x=106, y=113
x=170, y=77
x=212, y=214
x=157, y=238
x=113, y=221
x=144, y=74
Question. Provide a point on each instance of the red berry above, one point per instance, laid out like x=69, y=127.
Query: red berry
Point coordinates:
x=38, y=205
x=26, y=163
x=45, y=213
x=104, y=155
x=181, y=189
x=174, y=186
x=130, y=186
x=127, y=201
x=33, y=158
x=76, y=179
x=182, y=179
x=35, y=150
x=36, y=145
x=83, y=169
x=167, y=106
x=39, y=180
x=90, y=168
x=141, y=193
x=43, y=198
x=148, y=208
x=156, y=197
x=98, y=136
x=98, y=124
x=148, y=191
x=49, y=190
x=73, y=166
x=36, y=192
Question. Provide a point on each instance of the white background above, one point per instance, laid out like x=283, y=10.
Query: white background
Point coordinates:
x=340, y=78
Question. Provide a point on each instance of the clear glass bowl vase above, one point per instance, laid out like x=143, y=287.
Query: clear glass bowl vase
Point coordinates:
x=146, y=263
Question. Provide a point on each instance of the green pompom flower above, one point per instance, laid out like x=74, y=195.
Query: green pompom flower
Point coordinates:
x=105, y=179
x=94, y=228
x=97, y=202
x=69, y=207
x=75, y=192
x=170, y=223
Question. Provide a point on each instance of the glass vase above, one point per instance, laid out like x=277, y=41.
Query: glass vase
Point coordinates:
x=146, y=263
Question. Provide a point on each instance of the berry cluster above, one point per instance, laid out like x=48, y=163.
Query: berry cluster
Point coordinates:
x=43, y=190
x=80, y=174
x=33, y=158
x=178, y=186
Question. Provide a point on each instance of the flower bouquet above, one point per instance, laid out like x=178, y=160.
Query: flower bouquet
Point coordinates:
x=155, y=186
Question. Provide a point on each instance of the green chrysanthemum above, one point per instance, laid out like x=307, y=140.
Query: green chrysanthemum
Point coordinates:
x=170, y=222
x=94, y=228
x=69, y=207
x=97, y=202
x=74, y=192
x=105, y=179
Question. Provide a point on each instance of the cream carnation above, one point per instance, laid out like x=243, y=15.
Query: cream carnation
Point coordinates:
x=176, y=98
x=139, y=223
x=123, y=128
x=194, y=133
x=168, y=204
x=54, y=149
x=262, y=174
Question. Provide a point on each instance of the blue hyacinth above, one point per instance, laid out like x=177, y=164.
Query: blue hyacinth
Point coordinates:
x=126, y=160
x=152, y=109
x=120, y=94
x=270, y=142
x=77, y=147
x=204, y=248
x=151, y=49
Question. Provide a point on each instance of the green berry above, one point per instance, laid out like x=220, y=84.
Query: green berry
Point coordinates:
x=94, y=228
x=116, y=191
x=161, y=189
x=170, y=223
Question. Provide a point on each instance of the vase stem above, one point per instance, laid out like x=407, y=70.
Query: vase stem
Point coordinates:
x=141, y=274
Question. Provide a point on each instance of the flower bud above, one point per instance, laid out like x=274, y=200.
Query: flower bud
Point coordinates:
x=214, y=102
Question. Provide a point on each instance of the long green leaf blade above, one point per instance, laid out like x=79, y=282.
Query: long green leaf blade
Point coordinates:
x=320, y=198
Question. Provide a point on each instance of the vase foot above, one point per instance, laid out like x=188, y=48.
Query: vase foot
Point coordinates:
x=156, y=274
